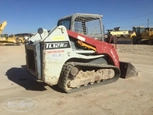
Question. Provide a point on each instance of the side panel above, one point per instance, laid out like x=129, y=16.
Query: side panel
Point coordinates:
x=55, y=53
x=33, y=59
x=101, y=47
x=53, y=61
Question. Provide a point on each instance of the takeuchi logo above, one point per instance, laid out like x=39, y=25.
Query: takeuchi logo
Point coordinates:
x=20, y=104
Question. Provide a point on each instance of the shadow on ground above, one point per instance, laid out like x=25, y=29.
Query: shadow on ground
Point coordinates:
x=22, y=78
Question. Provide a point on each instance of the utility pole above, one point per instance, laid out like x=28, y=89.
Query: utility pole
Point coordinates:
x=148, y=23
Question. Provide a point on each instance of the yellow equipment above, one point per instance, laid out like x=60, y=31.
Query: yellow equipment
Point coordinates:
x=114, y=35
x=143, y=34
x=5, y=39
x=23, y=37
x=2, y=26
x=119, y=33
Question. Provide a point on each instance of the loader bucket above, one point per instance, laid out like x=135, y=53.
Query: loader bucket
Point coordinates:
x=127, y=70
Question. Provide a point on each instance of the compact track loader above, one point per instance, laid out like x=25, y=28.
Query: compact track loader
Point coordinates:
x=74, y=55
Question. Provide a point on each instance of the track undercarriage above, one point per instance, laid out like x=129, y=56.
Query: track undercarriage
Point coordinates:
x=77, y=76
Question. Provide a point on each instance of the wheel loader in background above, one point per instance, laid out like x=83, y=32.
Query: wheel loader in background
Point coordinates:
x=74, y=55
x=143, y=34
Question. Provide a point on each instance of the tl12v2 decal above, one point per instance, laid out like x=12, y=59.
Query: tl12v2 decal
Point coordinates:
x=57, y=45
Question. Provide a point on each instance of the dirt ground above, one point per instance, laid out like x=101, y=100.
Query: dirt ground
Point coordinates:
x=132, y=96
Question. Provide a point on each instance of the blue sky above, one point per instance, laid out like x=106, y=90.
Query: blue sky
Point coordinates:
x=29, y=15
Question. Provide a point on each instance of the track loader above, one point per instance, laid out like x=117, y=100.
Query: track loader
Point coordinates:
x=74, y=56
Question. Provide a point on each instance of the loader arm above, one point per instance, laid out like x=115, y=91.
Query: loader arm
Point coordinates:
x=100, y=47
x=2, y=26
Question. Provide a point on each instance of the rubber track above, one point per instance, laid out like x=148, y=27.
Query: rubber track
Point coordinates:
x=66, y=70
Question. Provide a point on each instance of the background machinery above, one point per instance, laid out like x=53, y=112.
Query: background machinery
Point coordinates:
x=22, y=37
x=6, y=39
x=74, y=55
x=116, y=34
x=119, y=33
x=2, y=26
x=143, y=34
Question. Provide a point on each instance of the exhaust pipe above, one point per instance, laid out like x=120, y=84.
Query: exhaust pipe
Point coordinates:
x=127, y=70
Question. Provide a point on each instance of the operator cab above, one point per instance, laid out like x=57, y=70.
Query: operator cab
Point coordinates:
x=139, y=30
x=86, y=24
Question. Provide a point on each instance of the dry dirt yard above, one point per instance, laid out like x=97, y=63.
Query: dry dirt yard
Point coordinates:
x=132, y=96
